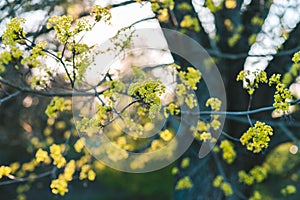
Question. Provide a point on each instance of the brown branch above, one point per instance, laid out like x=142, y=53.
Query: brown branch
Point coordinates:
x=54, y=56
x=119, y=113
x=123, y=4
x=48, y=93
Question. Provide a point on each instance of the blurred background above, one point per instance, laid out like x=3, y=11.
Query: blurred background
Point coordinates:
x=237, y=34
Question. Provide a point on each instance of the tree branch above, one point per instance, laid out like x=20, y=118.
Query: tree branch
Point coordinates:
x=238, y=113
x=60, y=59
x=119, y=113
x=271, y=123
x=231, y=56
x=123, y=4
x=230, y=137
x=48, y=93
x=19, y=180
x=248, y=109
x=9, y=97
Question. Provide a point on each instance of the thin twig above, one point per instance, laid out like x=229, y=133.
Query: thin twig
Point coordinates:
x=48, y=93
x=271, y=123
x=119, y=113
x=9, y=97
x=248, y=109
x=230, y=56
x=19, y=180
x=238, y=113
x=53, y=55
x=230, y=137
x=73, y=63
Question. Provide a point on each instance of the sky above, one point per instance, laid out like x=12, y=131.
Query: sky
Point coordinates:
x=147, y=45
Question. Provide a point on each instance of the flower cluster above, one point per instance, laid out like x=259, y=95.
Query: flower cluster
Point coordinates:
x=274, y=79
x=32, y=61
x=87, y=172
x=56, y=155
x=78, y=146
x=171, y=109
x=296, y=57
x=201, y=132
x=288, y=190
x=215, y=105
x=59, y=186
x=62, y=26
x=14, y=32
x=57, y=105
x=205, y=136
x=166, y=135
x=190, y=78
x=282, y=94
x=256, y=196
x=5, y=58
x=161, y=8
x=190, y=22
x=212, y=6
x=224, y=186
x=149, y=92
x=229, y=153
x=257, y=21
x=185, y=162
x=42, y=156
x=202, y=126
x=69, y=170
x=184, y=183
x=258, y=77
x=102, y=113
x=256, y=174
x=190, y=101
x=257, y=138
x=28, y=167
x=12, y=35
x=4, y=171
x=100, y=13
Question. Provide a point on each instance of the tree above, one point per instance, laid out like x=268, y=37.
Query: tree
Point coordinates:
x=254, y=148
